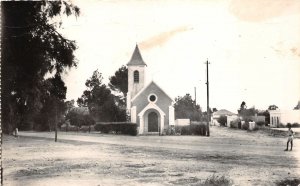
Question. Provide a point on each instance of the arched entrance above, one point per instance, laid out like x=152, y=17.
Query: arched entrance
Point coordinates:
x=151, y=119
x=153, y=122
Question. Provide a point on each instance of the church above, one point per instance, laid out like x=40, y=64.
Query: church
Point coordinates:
x=148, y=105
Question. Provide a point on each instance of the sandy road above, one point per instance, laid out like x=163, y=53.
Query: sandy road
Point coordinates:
x=94, y=159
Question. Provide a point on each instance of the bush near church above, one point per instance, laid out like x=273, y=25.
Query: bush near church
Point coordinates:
x=117, y=128
x=195, y=128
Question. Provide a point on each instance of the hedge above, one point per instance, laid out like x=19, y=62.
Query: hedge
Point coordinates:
x=195, y=128
x=117, y=127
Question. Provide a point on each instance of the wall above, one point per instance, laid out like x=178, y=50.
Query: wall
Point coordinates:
x=182, y=122
x=284, y=117
x=134, y=88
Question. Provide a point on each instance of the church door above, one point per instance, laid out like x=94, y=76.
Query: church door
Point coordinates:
x=152, y=122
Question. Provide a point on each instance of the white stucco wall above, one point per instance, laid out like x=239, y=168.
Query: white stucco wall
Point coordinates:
x=284, y=117
x=182, y=122
x=134, y=88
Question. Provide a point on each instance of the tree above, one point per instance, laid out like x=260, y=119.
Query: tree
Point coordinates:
x=222, y=120
x=79, y=119
x=53, y=107
x=31, y=48
x=119, y=83
x=297, y=107
x=185, y=107
x=272, y=107
x=100, y=101
x=69, y=105
x=243, y=105
x=247, y=114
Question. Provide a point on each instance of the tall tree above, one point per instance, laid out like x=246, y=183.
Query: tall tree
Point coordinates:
x=53, y=104
x=31, y=48
x=119, y=83
x=185, y=107
x=100, y=101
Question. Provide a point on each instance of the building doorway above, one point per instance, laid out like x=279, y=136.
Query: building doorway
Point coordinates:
x=152, y=122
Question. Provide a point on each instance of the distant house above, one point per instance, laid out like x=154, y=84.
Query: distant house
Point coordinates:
x=148, y=105
x=219, y=113
x=80, y=110
x=278, y=117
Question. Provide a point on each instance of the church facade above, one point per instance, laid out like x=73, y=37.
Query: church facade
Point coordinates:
x=148, y=105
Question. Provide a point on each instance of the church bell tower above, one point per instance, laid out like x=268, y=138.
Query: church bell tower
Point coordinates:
x=136, y=75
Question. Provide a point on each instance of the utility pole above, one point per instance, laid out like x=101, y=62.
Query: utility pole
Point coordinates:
x=195, y=96
x=207, y=91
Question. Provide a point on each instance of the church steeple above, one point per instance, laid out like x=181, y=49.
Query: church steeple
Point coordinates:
x=136, y=58
x=136, y=75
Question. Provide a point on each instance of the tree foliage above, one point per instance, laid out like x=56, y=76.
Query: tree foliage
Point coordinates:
x=119, y=83
x=222, y=120
x=53, y=103
x=31, y=48
x=297, y=107
x=79, y=119
x=100, y=101
x=272, y=107
x=185, y=107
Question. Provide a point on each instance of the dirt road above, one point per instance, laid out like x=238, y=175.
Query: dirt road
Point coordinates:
x=247, y=158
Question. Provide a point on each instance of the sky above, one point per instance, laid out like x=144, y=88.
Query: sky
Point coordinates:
x=253, y=48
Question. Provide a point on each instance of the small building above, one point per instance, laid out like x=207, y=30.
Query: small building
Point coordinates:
x=219, y=113
x=283, y=117
x=148, y=105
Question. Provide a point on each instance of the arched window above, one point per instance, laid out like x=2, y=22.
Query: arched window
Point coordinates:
x=136, y=76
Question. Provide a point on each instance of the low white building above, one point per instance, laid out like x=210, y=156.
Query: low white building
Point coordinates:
x=278, y=117
x=219, y=113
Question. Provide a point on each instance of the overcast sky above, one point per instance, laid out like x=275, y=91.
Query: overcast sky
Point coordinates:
x=253, y=47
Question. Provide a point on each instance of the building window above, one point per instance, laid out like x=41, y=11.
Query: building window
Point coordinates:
x=136, y=76
x=272, y=122
x=152, y=98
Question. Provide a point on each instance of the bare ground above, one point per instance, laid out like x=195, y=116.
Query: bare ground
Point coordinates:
x=247, y=158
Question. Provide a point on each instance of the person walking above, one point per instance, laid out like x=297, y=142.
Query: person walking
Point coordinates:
x=290, y=138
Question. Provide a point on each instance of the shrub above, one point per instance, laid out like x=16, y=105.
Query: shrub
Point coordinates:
x=280, y=125
x=198, y=129
x=295, y=125
x=69, y=127
x=261, y=123
x=117, y=127
x=185, y=130
x=222, y=120
x=195, y=128
x=234, y=124
x=171, y=130
x=285, y=182
x=217, y=181
x=245, y=125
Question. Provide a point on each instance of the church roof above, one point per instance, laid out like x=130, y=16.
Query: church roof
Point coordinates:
x=136, y=58
x=151, y=83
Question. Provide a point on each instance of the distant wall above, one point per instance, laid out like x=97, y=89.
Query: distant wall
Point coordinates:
x=283, y=117
x=182, y=122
